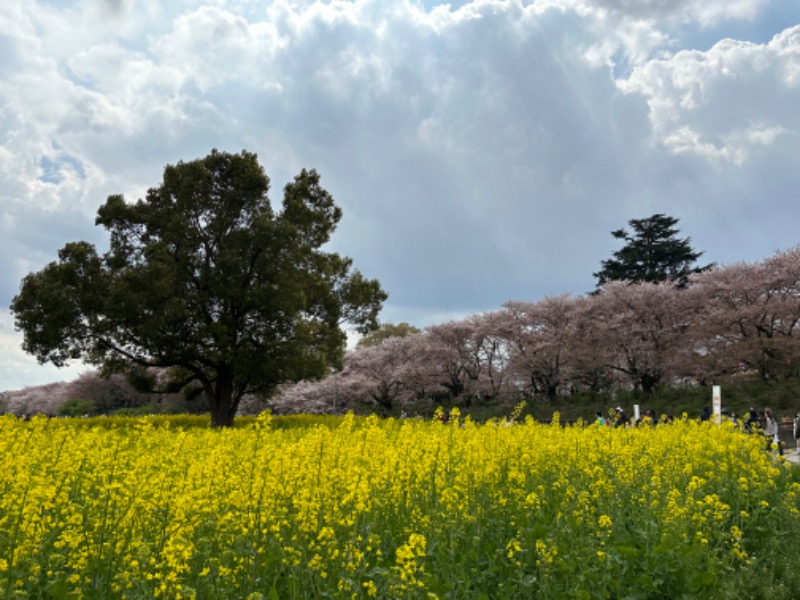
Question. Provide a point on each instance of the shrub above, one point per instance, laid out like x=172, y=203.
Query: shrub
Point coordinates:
x=76, y=408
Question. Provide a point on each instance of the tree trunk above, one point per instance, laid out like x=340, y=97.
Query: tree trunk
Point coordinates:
x=222, y=403
x=649, y=382
x=384, y=398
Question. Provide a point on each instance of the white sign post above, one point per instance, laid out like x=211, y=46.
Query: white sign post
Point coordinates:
x=716, y=398
x=635, y=413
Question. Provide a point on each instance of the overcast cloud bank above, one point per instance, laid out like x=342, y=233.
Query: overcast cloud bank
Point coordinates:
x=481, y=151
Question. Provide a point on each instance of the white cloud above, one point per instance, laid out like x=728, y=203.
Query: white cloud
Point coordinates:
x=726, y=103
x=706, y=12
x=210, y=46
x=19, y=370
x=735, y=147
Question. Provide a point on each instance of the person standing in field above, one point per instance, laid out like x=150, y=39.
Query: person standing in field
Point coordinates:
x=796, y=432
x=753, y=422
x=650, y=417
x=771, y=430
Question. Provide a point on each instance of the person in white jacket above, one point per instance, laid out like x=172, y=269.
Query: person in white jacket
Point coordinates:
x=771, y=430
x=796, y=431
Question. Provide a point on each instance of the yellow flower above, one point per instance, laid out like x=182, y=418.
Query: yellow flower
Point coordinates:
x=513, y=547
x=370, y=589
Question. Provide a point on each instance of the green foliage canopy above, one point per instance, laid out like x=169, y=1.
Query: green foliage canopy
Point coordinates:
x=205, y=279
x=652, y=253
x=385, y=332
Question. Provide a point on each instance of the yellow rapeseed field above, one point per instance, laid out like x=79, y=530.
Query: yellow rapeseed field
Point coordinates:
x=389, y=509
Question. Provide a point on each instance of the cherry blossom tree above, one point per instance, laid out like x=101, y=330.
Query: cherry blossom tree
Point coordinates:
x=385, y=370
x=493, y=352
x=35, y=400
x=388, y=374
x=642, y=328
x=455, y=356
x=541, y=338
x=309, y=396
x=751, y=316
x=109, y=393
x=591, y=356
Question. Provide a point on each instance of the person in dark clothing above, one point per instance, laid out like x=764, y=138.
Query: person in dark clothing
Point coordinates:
x=753, y=422
x=620, y=418
x=706, y=414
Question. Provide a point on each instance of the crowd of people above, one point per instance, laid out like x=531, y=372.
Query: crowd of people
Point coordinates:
x=761, y=422
x=620, y=419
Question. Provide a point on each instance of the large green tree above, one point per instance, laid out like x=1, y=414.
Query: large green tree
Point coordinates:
x=653, y=252
x=204, y=279
x=386, y=331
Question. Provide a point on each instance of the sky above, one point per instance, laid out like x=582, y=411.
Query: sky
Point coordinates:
x=481, y=151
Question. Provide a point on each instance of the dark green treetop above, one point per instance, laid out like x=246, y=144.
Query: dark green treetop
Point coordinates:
x=204, y=279
x=386, y=331
x=652, y=253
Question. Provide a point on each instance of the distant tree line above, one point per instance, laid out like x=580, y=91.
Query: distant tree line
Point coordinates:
x=93, y=393
x=712, y=325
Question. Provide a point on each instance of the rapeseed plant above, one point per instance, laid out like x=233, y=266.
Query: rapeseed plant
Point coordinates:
x=383, y=508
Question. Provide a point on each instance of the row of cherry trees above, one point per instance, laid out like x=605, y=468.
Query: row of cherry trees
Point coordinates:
x=97, y=395
x=740, y=320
